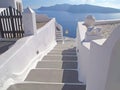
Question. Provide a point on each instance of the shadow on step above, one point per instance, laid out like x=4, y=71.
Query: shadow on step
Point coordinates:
x=71, y=51
x=70, y=76
x=69, y=65
x=69, y=54
x=72, y=79
x=74, y=87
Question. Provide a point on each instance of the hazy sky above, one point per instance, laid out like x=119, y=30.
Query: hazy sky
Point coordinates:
x=39, y=3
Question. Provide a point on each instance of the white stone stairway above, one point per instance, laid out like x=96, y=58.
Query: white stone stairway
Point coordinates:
x=57, y=71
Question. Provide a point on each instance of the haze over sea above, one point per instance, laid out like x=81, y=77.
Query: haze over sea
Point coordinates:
x=69, y=20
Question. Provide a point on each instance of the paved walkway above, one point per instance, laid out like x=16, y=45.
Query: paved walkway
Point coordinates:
x=57, y=71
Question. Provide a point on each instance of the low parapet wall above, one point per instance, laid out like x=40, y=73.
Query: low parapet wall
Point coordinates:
x=17, y=60
x=82, y=52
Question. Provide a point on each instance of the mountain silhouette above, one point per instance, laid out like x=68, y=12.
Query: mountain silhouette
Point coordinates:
x=82, y=8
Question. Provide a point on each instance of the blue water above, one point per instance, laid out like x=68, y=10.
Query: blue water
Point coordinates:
x=69, y=20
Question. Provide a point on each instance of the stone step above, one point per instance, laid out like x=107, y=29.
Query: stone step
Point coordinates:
x=60, y=53
x=57, y=65
x=69, y=42
x=57, y=57
x=53, y=75
x=58, y=31
x=61, y=47
x=64, y=48
x=65, y=44
x=60, y=39
x=46, y=86
x=64, y=51
x=58, y=34
x=59, y=60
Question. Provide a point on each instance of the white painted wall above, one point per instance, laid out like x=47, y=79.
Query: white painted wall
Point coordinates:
x=17, y=60
x=100, y=69
x=113, y=76
x=113, y=79
x=100, y=63
x=29, y=22
x=82, y=53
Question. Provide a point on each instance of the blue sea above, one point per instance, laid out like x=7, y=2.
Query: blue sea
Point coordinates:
x=69, y=20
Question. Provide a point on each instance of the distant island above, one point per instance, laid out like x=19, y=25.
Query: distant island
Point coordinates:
x=83, y=8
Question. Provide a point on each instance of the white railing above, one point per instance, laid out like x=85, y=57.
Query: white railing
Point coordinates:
x=98, y=60
x=18, y=59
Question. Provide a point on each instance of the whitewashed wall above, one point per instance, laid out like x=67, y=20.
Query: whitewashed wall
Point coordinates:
x=102, y=62
x=17, y=59
x=82, y=53
x=113, y=75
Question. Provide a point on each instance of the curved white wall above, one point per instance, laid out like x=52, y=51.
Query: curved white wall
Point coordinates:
x=17, y=59
x=101, y=62
x=113, y=79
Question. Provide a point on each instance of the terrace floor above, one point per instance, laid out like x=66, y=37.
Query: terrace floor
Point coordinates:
x=40, y=24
